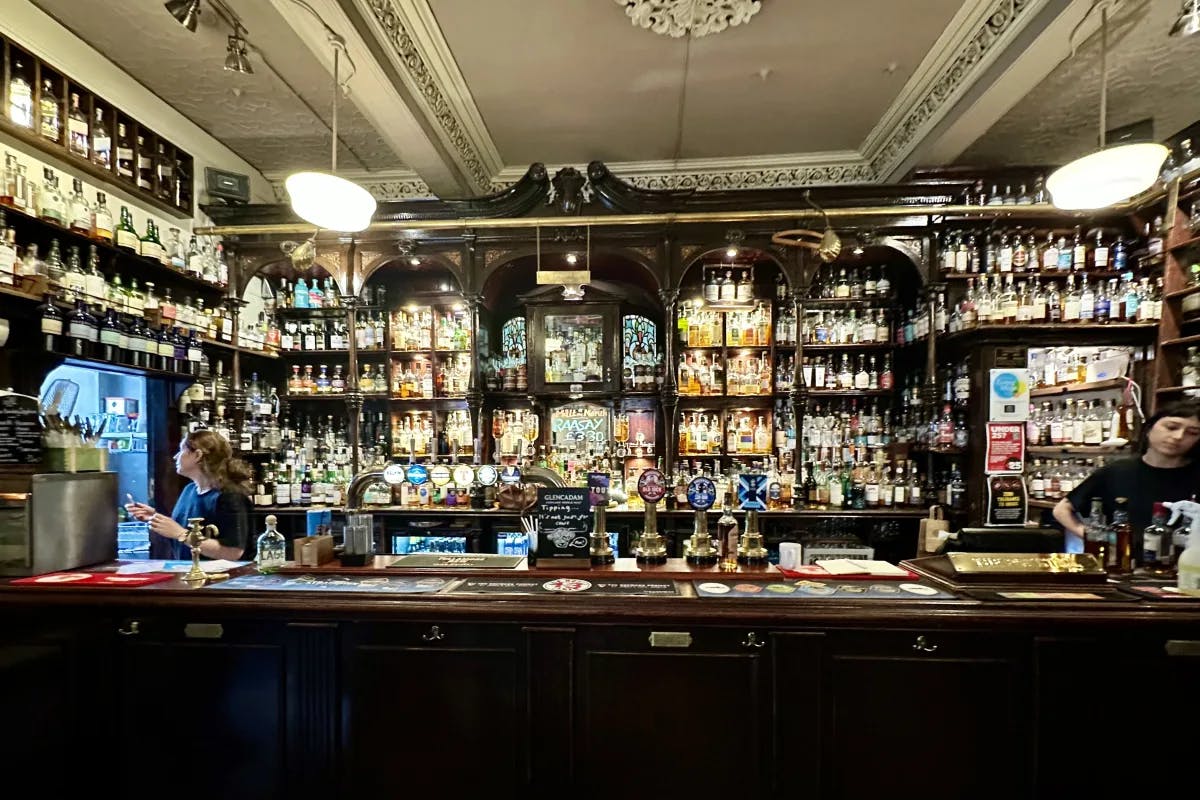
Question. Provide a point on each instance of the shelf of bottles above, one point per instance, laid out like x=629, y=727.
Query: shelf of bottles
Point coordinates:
x=57, y=115
x=1179, y=345
x=1078, y=417
x=1040, y=277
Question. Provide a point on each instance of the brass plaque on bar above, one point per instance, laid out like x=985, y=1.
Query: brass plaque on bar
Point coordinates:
x=458, y=561
x=569, y=277
x=1024, y=563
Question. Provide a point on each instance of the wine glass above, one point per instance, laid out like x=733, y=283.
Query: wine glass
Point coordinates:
x=499, y=429
x=621, y=432
x=530, y=428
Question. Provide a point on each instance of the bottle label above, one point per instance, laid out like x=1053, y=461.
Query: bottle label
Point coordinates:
x=128, y=239
x=52, y=325
x=83, y=330
x=110, y=336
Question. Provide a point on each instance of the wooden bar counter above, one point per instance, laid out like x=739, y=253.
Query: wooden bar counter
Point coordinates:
x=395, y=682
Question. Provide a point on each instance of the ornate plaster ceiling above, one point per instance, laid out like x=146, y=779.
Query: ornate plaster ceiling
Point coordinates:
x=1150, y=76
x=269, y=120
x=457, y=97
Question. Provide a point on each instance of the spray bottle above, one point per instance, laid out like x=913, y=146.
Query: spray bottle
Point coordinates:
x=1188, y=579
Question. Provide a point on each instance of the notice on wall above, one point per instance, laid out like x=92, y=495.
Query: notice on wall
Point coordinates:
x=20, y=431
x=1008, y=395
x=564, y=519
x=1005, y=447
x=1007, y=503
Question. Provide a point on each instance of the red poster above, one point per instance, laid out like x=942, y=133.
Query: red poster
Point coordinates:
x=1005, y=447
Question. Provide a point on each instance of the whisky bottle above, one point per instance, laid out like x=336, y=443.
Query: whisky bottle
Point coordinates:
x=52, y=323
x=82, y=332
x=102, y=219
x=127, y=237
x=124, y=154
x=79, y=210
x=145, y=165
x=20, y=96
x=77, y=129
x=101, y=141
x=51, y=118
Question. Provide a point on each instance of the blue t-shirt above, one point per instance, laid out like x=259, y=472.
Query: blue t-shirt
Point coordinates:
x=228, y=510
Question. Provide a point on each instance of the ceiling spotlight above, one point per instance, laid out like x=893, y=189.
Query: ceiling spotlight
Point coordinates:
x=572, y=258
x=731, y=252
x=185, y=12
x=416, y=262
x=1189, y=19
x=235, y=58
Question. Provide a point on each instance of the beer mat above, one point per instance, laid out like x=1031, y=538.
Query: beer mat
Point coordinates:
x=815, y=572
x=94, y=579
x=458, y=561
x=1048, y=595
x=808, y=588
x=1157, y=591
x=334, y=583
x=559, y=586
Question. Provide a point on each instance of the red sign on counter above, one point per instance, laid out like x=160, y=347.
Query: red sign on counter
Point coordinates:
x=1005, y=447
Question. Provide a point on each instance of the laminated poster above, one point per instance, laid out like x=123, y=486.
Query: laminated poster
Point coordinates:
x=1006, y=500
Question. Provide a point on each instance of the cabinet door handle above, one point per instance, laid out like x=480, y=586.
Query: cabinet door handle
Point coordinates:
x=434, y=634
x=752, y=642
x=131, y=629
x=922, y=645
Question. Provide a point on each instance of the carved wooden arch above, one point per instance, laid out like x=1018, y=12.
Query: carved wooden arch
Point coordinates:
x=318, y=261
x=510, y=255
x=370, y=262
x=916, y=256
x=692, y=256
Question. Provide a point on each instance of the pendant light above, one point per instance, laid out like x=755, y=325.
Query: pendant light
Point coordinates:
x=1111, y=174
x=323, y=198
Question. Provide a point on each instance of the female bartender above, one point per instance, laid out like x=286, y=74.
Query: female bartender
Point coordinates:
x=1168, y=469
x=218, y=492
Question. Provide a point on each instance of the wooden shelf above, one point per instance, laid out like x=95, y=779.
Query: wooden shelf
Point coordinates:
x=1044, y=274
x=30, y=228
x=1182, y=341
x=847, y=393
x=1071, y=388
x=1075, y=450
x=1178, y=390
x=246, y=351
x=107, y=179
x=838, y=302
x=842, y=348
x=1054, y=333
x=1178, y=293
x=1035, y=502
x=1185, y=244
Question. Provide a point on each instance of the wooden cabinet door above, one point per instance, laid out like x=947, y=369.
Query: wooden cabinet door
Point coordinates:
x=1113, y=712
x=925, y=713
x=433, y=710
x=56, y=697
x=201, y=707
x=681, y=715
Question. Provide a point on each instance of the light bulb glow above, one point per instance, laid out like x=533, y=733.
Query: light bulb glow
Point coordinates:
x=1106, y=177
x=330, y=202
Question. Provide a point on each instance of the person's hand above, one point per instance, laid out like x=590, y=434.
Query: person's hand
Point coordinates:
x=167, y=527
x=1186, y=508
x=139, y=511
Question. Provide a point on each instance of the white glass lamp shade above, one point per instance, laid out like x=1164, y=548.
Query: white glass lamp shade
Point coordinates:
x=330, y=202
x=1106, y=177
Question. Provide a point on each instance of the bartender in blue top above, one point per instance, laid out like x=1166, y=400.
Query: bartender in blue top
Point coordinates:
x=218, y=492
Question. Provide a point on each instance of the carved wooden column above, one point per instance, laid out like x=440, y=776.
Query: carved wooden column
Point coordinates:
x=669, y=396
x=474, y=386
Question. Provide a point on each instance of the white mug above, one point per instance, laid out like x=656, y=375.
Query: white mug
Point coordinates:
x=789, y=555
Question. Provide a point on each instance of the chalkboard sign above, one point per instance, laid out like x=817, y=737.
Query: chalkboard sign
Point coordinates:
x=20, y=431
x=564, y=521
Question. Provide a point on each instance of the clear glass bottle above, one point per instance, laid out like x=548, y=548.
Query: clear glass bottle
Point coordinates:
x=79, y=209
x=124, y=154
x=271, y=548
x=101, y=141
x=52, y=207
x=50, y=114
x=20, y=96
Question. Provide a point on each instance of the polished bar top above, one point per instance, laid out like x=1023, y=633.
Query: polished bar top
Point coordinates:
x=961, y=610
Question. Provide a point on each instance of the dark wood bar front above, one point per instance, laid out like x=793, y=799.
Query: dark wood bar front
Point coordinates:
x=224, y=692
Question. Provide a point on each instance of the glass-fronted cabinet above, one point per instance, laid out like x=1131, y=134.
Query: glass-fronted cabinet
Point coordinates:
x=573, y=349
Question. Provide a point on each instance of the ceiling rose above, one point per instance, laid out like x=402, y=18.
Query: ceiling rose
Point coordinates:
x=676, y=17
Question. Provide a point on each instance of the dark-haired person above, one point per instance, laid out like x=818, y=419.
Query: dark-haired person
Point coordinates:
x=1167, y=469
x=219, y=492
